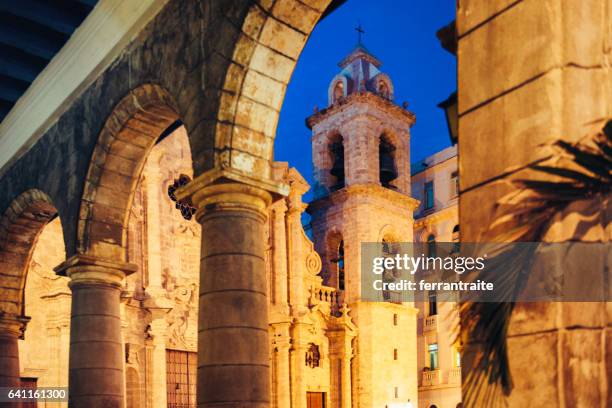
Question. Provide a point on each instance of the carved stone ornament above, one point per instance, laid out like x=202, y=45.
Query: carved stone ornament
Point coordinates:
x=186, y=209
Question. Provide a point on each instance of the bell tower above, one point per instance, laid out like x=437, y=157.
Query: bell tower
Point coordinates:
x=361, y=156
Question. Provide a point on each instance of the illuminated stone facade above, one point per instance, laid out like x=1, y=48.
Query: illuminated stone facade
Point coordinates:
x=324, y=342
x=435, y=184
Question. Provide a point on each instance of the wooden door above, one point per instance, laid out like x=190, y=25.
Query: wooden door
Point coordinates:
x=315, y=400
x=181, y=376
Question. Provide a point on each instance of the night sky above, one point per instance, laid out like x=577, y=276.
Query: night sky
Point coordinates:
x=401, y=34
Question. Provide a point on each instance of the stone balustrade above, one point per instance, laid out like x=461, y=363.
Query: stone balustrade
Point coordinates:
x=327, y=297
x=431, y=377
x=454, y=375
x=430, y=323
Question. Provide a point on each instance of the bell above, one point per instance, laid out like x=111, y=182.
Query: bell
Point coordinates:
x=338, y=168
x=388, y=171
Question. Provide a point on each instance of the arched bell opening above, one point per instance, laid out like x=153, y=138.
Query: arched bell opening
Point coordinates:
x=336, y=150
x=387, y=166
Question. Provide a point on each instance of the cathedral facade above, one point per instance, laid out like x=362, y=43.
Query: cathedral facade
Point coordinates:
x=327, y=347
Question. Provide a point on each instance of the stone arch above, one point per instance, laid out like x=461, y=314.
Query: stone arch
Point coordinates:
x=339, y=82
x=383, y=86
x=132, y=386
x=20, y=227
x=127, y=137
x=389, y=233
x=271, y=38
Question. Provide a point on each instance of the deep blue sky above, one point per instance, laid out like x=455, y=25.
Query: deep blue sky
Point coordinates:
x=400, y=33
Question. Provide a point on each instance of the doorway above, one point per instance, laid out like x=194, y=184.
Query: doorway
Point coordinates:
x=315, y=400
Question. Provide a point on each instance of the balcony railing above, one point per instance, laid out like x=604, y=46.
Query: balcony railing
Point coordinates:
x=329, y=298
x=431, y=377
x=430, y=323
x=454, y=375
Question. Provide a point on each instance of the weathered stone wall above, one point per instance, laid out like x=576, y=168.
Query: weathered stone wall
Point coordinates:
x=531, y=72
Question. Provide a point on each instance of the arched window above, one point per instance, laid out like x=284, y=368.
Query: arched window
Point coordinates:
x=338, y=91
x=456, y=245
x=456, y=233
x=340, y=261
x=336, y=149
x=386, y=163
x=431, y=245
x=383, y=89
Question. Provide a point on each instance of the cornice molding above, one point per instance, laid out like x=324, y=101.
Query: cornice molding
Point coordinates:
x=369, y=190
x=363, y=97
x=435, y=217
x=95, y=44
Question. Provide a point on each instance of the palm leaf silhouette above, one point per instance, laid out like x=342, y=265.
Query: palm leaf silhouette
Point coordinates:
x=580, y=171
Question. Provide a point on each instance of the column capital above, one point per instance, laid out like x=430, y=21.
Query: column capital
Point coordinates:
x=230, y=189
x=83, y=268
x=12, y=325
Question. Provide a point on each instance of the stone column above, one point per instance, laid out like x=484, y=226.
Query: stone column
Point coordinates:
x=96, y=352
x=279, y=261
x=159, y=327
x=295, y=271
x=12, y=328
x=283, y=374
x=233, y=345
x=298, y=353
x=345, y=375
x=341, y=353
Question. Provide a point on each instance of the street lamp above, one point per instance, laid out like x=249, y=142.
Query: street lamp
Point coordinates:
x=452, y=116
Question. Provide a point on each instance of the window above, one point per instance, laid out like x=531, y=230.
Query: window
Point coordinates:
x=181, y=373
x=457, y=358
x=395, y=354
x=388, y=275
x=431, y=245
x=429, y=195
x=454, y=183
x=396, y=392
x=456, y=233
x=395, y=319
x=433, y=356
x=456, y=245
x=340, y=260
x=433, y=303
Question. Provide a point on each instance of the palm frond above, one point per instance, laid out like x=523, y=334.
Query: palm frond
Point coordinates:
x=580, y=171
